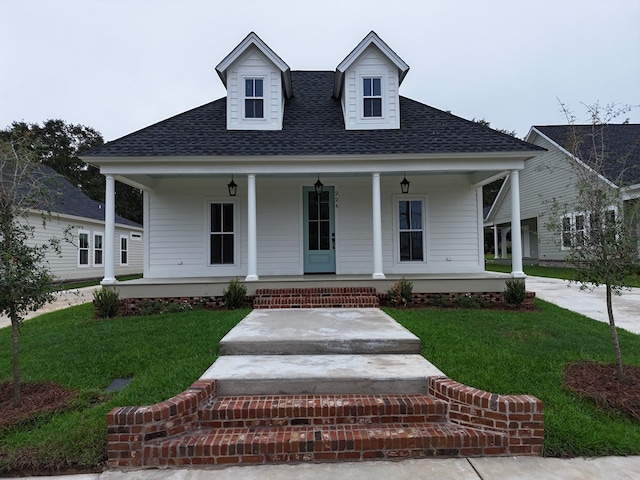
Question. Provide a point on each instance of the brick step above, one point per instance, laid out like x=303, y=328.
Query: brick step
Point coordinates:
x=257, y=445
x=292, y=410
x=310, y=301
x=315, y=291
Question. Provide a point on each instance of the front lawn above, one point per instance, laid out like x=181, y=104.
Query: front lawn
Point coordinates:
x=525, y=353
x=501, y=351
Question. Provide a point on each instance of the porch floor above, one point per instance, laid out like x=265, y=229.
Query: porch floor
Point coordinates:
x=214, y=286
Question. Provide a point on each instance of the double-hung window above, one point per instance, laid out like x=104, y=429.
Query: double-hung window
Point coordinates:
x=222, y=234
x=372, y=96
x=83, y=248
x=97, y=249
x=253, y=98
x=411, y=230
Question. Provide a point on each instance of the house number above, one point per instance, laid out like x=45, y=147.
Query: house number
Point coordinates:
x=336, y=197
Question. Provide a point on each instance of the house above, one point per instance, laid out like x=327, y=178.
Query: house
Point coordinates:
x=554, y=176
x=311, y=176
x=76, y=217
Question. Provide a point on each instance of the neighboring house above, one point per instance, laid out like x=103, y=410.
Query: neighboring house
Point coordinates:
x=297, y=173
x=553, y=176
x=79, y=219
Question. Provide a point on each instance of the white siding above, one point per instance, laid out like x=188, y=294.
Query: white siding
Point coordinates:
x=253, y=64
x=65, y=267
x=372, y=63
x=177, y=226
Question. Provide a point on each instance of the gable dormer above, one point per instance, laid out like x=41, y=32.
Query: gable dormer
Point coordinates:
x=257, y=81
x=367, y=83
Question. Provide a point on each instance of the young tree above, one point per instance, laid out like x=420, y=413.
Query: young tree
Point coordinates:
x=25, y=279
x=603, y=245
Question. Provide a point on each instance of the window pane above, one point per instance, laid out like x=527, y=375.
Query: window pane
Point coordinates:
x=416, y=215
x=216, y=217
x=83, y=240
x=84, y=257
x=227, y=248
x=313, y=235
x=377, y=90
x=368, y=107
x=405, y=246
x=403, y=214
x=416, y=246
x=123, y=257
x=123, y=244
x=324, y=210
x=227, y=217
x=216, y=249
x=258, y=109
x=366, y=87
x=324, y=235
x=313, y=206
x=376, y=107
x=258, y=88
x=98, y=257
x=248, y=87
x=97, y=241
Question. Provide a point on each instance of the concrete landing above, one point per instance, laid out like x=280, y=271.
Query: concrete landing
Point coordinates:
x=319, y=331
x=321, y=374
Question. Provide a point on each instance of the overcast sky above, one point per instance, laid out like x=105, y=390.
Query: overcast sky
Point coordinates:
x=121, y=65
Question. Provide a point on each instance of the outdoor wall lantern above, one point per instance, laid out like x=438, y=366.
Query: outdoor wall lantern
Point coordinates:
x=404, y=184
x=233, y=187
x=318, y=186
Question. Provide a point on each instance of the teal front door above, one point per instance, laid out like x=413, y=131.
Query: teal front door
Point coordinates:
x=319, y=231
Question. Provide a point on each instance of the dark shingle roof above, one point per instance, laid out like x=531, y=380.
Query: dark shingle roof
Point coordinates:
x=313, y=125
x=66, y=199
x=621, y=147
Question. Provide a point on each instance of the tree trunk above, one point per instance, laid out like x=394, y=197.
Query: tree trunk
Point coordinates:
x=614, y=335
x=15, y=333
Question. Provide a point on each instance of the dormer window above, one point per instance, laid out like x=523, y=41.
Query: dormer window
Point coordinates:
x=253, y=98
x=372, y=96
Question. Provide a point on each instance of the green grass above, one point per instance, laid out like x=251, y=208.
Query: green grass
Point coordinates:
x=525, y=353
x=551, y=272
x=163, y=354
x=502, y=351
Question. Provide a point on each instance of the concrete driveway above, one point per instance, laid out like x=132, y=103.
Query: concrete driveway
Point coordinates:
x=590, y=303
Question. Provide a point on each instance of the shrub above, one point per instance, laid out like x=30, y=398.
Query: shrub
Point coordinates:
x=235, y=295
x=401, y=292
x=106, y=302
x=468, y=301
x=514, y=293
x=440, y=300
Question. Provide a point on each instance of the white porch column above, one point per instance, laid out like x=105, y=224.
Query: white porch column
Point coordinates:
x=252, y=231
x=377, y=227
x=516, y=239
x=495, y=241
x=503, y=247
x=109, y=232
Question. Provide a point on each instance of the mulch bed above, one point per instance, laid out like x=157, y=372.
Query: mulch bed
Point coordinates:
x=599, y=382
x=37, y=398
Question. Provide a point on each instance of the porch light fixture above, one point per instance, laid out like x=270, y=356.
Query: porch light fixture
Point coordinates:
x=318, y=186
x=404, y=184
x=233, y=187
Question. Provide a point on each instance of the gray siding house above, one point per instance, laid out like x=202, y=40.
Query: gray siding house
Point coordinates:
x=553, y=176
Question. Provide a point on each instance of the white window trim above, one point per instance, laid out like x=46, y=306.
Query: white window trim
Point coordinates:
x=95, y=234
x=383, y=98
x=396, y=230
x=88, y=249
x=244, y=97
x=236, y=233
x=573, y=227
x=128, y=250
